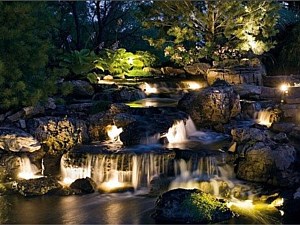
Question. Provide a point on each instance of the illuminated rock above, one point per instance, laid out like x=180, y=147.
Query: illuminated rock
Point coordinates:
x=261, y=158
x=212, y=105
x=84, y=185
x=16, y=140
x=39, y=186
x=190, y=206
x=58, y=134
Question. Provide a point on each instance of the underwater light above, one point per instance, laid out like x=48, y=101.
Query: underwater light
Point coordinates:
x=113, y=132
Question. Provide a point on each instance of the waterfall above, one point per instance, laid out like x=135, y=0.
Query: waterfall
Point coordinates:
x=27, y=169
x=183, y=131
x=130, y=170
x=177, y=133
x=113, y=132
x=265, y=117
x=188, y=173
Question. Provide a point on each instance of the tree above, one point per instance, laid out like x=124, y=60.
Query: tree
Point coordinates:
x=214, y=30
x=24, y=47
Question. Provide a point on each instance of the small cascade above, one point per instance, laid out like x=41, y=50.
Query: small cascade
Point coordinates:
x=113, y=132
x=177, y=133
x=205, y=174
x=149, y=89
x=188, y=173
x=265, y=117
x=183, y=131
x=27, y=169
x=128, y=170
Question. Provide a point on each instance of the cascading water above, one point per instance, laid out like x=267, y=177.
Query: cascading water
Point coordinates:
x=183, y=131
x=128, y=169
x=113, y=133
x=266, y=117
x=27, y=169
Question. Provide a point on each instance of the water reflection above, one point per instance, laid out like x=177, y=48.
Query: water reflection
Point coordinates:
x=88, y=209
x=4, y=212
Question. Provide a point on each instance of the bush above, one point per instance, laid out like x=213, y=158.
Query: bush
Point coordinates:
x=24, y=48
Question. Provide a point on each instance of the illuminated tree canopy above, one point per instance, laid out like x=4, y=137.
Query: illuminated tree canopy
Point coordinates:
x=215, y=30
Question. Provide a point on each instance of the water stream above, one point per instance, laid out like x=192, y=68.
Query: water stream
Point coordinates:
x=190, y=159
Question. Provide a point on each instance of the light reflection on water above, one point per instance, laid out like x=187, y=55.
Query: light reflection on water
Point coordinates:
x=88, y=209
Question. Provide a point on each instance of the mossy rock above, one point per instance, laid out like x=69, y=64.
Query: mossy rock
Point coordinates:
x=190, y=206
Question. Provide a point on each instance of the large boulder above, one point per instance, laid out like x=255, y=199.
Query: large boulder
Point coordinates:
x=84, y=185
x=58, y=134
x=39, y=186
x=212, y=105
x=190, y=206
x=263, y=158
x=16, y=140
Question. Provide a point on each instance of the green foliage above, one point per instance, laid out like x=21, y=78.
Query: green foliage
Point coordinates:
x=121, y=63
x=215, y=30
x=93, y=78
x=289, y=57
x=66, y=89
x=25, y=29
x=79, y=63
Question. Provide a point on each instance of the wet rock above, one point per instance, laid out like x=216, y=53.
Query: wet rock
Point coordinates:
x=237, y=74
x=50, y=104
x=247, y=91
x=118, y=108
x=190, y=206
x=81, y=88
x=283, y=127
x=263, y=157
x=170, y=71
x=58, y=134
x=295, y=133
x=84, y=185
x=197, y=68
x=212, y=105
x=39, y=186
x=280, y=138
x=290, y=111
x=16, y=140
x=120, y=94
x=159, y=185
x=243, y=135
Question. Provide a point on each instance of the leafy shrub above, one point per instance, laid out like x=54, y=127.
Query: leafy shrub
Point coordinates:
x=122, y=63
x=79, y=63
x=25, y=29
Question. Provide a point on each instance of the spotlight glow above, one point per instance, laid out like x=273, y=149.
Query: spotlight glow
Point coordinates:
x=284, y=87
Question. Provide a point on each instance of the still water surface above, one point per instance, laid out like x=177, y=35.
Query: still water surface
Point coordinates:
x=86, y=209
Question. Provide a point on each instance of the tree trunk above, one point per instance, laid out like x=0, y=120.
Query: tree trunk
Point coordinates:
x=77, y=26
x=100, y=26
